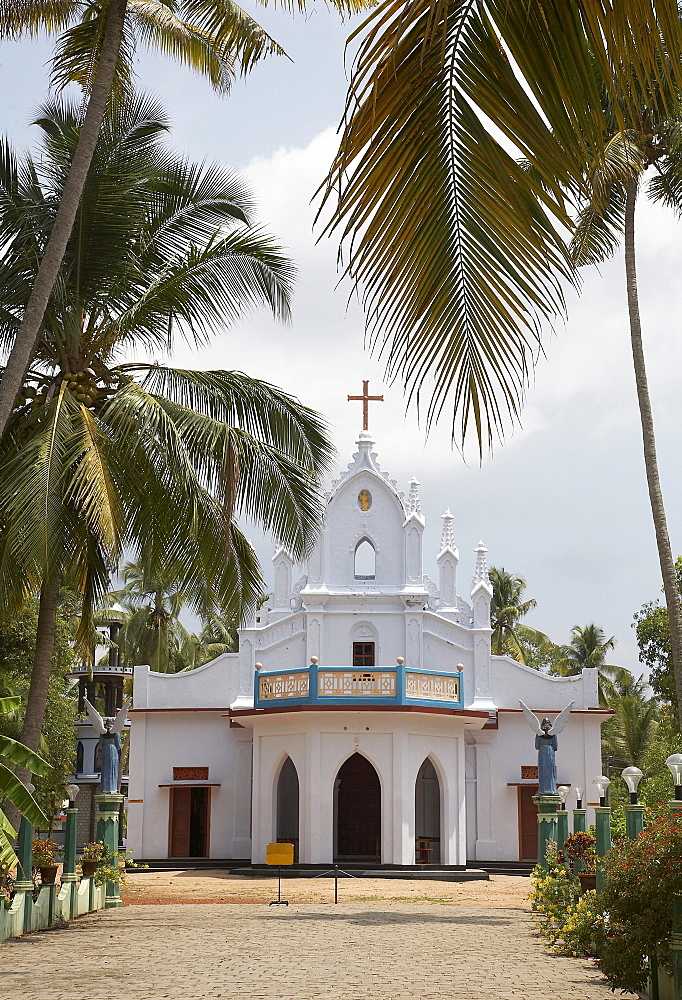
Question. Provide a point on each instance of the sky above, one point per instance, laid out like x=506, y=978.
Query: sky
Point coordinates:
x=563, y=502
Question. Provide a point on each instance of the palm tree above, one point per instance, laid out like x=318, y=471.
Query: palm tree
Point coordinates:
x=627, y=736
x=654, y=142
x=456, y=250
x=96, y=49
x=589, y=647
x=506, y=610
x=14, y=754
x=151, y=631
x=103, y=456
x=458, y=253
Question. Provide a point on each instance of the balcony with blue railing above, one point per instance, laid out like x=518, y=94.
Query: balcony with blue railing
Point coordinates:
x=319, y=686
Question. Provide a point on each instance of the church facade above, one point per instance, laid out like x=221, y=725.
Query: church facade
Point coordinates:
x=364, y=718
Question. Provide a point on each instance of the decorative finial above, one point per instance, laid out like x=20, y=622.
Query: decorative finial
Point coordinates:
x=447, y=539
x=365, y=399
x=481, y=573
x=414, y=504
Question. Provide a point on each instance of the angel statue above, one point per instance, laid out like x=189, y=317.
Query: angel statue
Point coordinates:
x=109, y=729
x=546, y=744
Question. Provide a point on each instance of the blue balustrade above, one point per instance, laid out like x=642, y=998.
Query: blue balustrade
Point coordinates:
x=374, y=686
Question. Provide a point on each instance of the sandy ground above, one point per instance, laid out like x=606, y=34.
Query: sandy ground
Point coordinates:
x=217, y=886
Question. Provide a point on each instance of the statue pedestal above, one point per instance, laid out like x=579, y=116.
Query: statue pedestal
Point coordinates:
x=108, y=806
x=548, y=806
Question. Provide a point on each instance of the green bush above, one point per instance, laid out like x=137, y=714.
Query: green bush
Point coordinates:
x=641, y=879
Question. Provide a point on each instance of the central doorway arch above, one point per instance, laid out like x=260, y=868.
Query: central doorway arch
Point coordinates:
x=357, y=800
x=287, y=805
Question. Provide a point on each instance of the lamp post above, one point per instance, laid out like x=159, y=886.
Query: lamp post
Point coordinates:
x=602, y=815
x=634, y=812
x=69, y=870
x=25, y=855
x=579, y=813
x=674, y=765
x=562, y=816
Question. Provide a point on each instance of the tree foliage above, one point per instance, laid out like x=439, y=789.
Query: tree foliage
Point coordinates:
x=58, y=742
x=652, y=627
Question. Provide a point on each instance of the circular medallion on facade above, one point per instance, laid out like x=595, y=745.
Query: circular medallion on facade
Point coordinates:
x=364, y=499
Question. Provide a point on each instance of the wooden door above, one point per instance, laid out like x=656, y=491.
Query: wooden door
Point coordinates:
x=528, y=823
x=359, y=810
x=188, y=822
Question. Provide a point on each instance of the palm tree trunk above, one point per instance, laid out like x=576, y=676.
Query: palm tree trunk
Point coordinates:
x=29, y=331
x=40, y=677
x=665, y=556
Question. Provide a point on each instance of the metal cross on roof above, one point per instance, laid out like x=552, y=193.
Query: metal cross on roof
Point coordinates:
x=365, y=398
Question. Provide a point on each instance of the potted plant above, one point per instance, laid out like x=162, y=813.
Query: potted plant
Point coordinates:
x=44, y=858
x=580, y=849
x=91, y=856
x=109, y=867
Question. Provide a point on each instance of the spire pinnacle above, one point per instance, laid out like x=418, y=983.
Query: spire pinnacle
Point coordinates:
x=481, y=572
x=447, y=538
x=414, y=504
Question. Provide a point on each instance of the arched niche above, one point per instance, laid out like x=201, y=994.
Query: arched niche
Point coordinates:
x=80, y=757
x=357, y=811
x=427, y=814
x=288, y=805
x=365, y=560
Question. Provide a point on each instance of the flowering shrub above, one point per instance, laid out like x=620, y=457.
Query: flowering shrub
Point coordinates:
x=555, y=893
x=641, y=877
x=583, y=929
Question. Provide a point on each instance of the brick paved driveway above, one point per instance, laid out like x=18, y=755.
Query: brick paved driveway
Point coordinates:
x=358, y=951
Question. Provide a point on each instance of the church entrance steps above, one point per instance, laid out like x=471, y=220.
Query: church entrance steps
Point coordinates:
x=436, y=873
x=524, y=868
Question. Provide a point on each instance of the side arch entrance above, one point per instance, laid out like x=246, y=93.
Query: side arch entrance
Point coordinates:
x=427, y=824
x=288, y=805
x=357, y=811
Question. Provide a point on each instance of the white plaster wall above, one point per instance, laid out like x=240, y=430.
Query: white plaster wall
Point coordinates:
x=346, y=524
x=395, y=744
x=342, y=625
x=163, y=740
x=499, y=756
x=214, y=685
x=512, y=681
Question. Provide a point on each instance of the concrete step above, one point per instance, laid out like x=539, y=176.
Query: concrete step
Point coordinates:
x=524, y=868
x=412, y=872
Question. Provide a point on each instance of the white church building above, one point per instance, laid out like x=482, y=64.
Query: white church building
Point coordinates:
x=364, y=718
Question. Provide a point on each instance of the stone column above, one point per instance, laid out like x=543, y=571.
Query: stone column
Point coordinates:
x=602, y=816
x=69, y=876
x=561, y=827
x=108, y=805
x=634, y=820
x=579, y=820
x=676, y=947
x=547, y=823
x=25, y=883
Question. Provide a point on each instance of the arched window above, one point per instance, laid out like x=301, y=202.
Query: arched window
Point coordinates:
x=365, y=560
x=98, y=758
x=79, y=758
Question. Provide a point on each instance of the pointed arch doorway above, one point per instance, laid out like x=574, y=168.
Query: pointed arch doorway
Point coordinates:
x=427, y=815
x=357, y=811
x=288, y=805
